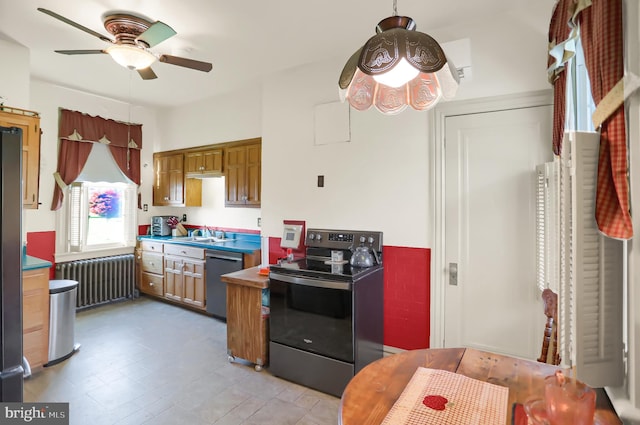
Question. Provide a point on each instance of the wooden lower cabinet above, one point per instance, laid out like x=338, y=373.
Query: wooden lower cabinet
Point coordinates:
x=247, y=318
x=150, y=277
x=184, y=270
x=35, y=316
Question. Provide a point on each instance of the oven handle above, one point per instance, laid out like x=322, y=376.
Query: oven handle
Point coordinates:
x=297, y=280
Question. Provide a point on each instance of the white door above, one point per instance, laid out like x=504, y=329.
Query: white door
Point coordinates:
x=493, y=303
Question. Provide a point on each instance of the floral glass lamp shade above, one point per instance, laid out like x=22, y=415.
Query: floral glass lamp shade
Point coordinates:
x=398, y=67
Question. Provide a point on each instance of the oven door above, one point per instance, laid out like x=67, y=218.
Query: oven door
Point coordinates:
x=313, y=315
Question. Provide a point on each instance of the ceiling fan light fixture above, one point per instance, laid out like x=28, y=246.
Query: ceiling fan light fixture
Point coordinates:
x=130, y=56
x=396, y=68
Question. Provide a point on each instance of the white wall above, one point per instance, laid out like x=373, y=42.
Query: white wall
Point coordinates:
x=14, y=79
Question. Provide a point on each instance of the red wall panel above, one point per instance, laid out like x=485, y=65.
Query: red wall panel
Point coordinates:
x=406, y=297
x=43, y=245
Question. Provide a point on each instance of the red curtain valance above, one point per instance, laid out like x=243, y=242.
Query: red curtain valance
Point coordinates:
x=83, y=127
x=75, y=128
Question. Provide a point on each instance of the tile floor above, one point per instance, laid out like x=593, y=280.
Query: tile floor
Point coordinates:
x=148, y=362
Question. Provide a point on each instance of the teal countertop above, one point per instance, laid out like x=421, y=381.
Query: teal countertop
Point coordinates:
x=32, y=263
x=246, y=243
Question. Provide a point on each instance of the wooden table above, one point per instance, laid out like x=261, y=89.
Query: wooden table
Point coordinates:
x=374, y=390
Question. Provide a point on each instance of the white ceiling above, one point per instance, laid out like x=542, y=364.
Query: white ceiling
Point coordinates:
x=244, y=39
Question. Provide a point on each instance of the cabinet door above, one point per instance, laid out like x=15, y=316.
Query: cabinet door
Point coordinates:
x=194, y=283
x=173, y=286
x=35, y=316
x=203, y=163
x=235, y=165
x=138, y=264
x=193, y=163
x=168, y=187
x=253, y=175
x=30, y=126
x=243, y=171
x=212, y=162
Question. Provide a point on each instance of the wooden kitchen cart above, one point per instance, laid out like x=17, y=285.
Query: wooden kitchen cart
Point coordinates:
x=248, y=316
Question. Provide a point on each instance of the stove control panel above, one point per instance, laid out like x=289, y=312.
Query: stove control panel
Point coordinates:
x=343, y=239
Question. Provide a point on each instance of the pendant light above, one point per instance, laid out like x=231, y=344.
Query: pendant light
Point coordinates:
x=398, y=66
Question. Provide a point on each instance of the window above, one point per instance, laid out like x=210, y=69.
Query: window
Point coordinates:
x=101, y=215
x=99, y=210
x=579, y=102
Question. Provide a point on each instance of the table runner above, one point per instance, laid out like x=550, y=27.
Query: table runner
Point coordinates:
x=436, y=396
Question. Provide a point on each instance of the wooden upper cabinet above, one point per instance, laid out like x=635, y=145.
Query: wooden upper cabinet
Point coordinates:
x=206, y=163
x=243, y=170
x=170, y=185
x=29, y=122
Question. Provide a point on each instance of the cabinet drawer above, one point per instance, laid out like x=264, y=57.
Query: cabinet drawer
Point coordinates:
x=152, y=262
x=152, y=284
x=184, y=251
x=152, y=246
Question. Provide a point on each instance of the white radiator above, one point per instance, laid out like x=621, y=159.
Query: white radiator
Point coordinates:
x=100, y=280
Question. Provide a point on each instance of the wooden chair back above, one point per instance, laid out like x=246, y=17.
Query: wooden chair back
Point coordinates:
x=549, y=353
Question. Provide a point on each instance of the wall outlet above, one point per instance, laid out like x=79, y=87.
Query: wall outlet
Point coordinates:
x=259, y=221
x=184, y=218
x=320, y=181
x=145, y=207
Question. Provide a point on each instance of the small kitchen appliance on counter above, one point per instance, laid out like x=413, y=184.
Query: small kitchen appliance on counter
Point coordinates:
x=160, y=226
x=326, y=313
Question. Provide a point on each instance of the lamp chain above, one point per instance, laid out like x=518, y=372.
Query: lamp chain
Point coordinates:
x=395, y=7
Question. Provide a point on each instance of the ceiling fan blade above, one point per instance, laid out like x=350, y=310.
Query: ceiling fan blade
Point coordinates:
x=147, y=74
x=156, y=33
x=75, y=24
x=187, y=63
x=79, y=52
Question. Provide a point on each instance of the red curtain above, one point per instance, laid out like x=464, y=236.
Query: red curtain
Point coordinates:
x=603, y=44
x=559, y=30
x=78, y=131
x=601, y=34
x=71, y=159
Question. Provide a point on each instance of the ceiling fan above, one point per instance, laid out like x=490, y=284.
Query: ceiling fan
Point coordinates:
x=133, y=36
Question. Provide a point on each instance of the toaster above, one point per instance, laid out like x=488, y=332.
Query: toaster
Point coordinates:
x=159, y=225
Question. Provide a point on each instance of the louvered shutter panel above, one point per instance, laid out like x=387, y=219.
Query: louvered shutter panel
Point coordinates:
x=541, y=222
x=129, y=214
x=547, y=226
x=75, y=217
x=595, y=278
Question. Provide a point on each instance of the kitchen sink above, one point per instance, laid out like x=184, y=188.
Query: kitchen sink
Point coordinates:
x=207, y=239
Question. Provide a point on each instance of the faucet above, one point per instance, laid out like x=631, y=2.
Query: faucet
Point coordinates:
x=205, y=232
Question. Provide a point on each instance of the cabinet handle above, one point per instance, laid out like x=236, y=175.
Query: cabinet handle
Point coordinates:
x=150, y=283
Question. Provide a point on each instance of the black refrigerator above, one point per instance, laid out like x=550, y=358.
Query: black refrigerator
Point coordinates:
x=11, y=369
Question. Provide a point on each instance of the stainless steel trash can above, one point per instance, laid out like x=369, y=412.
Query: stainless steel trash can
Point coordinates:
x=62, y=319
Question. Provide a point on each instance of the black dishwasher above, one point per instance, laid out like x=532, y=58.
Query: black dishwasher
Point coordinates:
x=219, y=263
